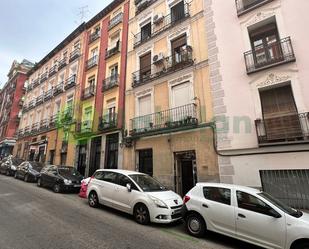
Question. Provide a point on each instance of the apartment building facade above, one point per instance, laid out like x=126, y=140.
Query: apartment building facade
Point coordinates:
x=11, y=100
x=99, y=126
x=49, y=110
x=260, y=93
x=168, y=101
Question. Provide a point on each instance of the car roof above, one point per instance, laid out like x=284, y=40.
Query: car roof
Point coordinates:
x=122, y=171
x=231, y=186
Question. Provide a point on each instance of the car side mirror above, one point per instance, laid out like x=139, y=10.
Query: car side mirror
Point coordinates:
x=129, y=187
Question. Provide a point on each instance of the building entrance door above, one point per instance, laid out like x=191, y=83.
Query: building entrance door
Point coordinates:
x=111, y=157
x=81, y=164
x=95, y=155
x=186, y=171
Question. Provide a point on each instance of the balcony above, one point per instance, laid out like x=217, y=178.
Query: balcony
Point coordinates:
x=53, y=121
x=31, y=105
x=43, y=77
x=62, y=63
x=245, y=6
x=29, y=87
x=74, y=55
x=292, y=128
x=142, y=5
x=70, y=82
x=178, y=118
x=88, y=92
x=162, y=24
x=27, y=130
x=48, y=94
x=115, y=21
x=39, y=100
x=110, y=52
x=20, y=133
x=166, y=66
x=67, y=116
x=263, y=57
x=64, y=146
x=58, y=89
x=52, y=70
x=35, y=83
x=44, y=124
x=108, y=121
x=110, y=82
x=35, y=128
x=84, y=127
x=94, y=36
x=92, y=62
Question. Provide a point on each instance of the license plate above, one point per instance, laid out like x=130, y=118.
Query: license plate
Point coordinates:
x=177, y=211
x=77, y=186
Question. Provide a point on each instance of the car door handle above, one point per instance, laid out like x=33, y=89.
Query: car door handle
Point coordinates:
x=205, y=205
x=241, y=216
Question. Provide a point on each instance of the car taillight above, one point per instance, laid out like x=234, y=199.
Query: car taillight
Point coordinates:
x=186, y=199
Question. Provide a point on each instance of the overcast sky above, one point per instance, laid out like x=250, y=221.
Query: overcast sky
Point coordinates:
x=30, y=29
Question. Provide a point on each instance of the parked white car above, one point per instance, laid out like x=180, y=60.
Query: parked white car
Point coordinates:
x=134, y=193
x=246, y=214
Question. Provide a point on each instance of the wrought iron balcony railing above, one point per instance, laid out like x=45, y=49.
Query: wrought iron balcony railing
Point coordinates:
x=92, y=62
x=35, y=83
x=115, y=20
x=48, y=94
x=286, y=128
x=70, y=82
x=62, y=63
x=262, y=57
x=110, y=82
x=244, y=6
x=84, y=126
x=20, y=132
x=58, y=89
x=166, y=66
x=74, y=54
x=162, y=24
x=142, y=5
x=176, y=118
x=53, y=121
x=43, y=77
x=94, y=36
x=39, y=100
x=29, y=87
x=44, y=124
x=108, y=121
x=66, y=117
x=88, y=92
x=53, y=70
x=27, y=130
x=31, y=105
x=35, y=127
x=112, y=51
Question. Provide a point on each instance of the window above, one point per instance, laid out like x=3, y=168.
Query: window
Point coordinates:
x=181, y=94
x=63, y=158
x=179, y=46
x=144, y=105
x=178, y=12
x=109, y=177
x=114, y=40
x=61, y=78
x=146, y=32
x=252, y=203
x=123, y=180
x=97, y=29
x=145, y=66
x=73, y=70
x=113, y=70
x=94, y=52
x=76, y=45
x=221, y=195
x=91, y=81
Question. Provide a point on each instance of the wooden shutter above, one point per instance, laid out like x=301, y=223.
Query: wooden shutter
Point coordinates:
x=179, y=42
x=145, y=63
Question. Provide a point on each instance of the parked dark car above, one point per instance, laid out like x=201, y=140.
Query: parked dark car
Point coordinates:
x=9, y=166
x=62, y=178
x=29, y=171
x=3, y=165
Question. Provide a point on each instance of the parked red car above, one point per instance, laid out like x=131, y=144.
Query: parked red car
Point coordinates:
x=83, y=188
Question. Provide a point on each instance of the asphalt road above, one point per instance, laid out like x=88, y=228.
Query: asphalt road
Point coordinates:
x=36, y=218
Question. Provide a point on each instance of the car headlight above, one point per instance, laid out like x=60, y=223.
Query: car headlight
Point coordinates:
x=67, y=182
x=158, y=202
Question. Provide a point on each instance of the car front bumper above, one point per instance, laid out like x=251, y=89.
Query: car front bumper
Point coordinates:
x=71, y=187
x=166, y=215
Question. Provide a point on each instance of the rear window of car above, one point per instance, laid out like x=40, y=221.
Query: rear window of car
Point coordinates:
x=221, y=195
x=17, y=161
x=106, y=176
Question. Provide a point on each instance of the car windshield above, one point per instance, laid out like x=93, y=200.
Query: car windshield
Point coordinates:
x=147, y=183
x=68, y=171
x=36, y=166
x=285, y=208
x=17, y=161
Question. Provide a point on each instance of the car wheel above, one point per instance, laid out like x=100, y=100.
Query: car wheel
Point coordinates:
x=39, y=183
x=302, y=245
x=57, y=188
x=26, y=178
x=93, y=199
x=141, y=214
x=195, y=225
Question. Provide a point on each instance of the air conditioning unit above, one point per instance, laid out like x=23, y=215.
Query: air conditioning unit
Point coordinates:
x=158, y=18
x=158, y=58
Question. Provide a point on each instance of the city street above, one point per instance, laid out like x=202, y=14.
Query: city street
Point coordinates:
x=36, y=218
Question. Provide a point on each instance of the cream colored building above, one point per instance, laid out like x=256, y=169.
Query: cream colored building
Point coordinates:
x=168, y=102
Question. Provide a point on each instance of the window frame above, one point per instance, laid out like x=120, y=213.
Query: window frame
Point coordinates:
x=217, y=201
